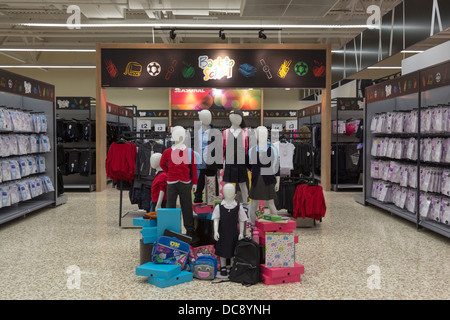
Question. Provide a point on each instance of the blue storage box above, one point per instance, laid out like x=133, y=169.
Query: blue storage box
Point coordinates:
x=169, y=219
x=161, y=271
x=182, y=277
x=141, y=222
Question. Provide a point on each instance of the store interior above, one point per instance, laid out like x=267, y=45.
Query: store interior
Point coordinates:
x=362, y=195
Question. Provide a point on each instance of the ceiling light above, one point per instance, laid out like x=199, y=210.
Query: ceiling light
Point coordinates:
x=195, y=25
x=381, y=68
x=261, y=35
x=221, y=34
x=25, y=66
x=44, y=50
x=411, y=51
x=172, y=34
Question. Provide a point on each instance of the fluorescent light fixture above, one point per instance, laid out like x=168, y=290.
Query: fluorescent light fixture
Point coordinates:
x=381, y=68
x=411, y=51
x=24, y=66
x=194, y=25
x=44, y=50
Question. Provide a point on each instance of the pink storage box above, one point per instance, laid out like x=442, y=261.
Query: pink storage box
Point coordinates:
x=262, y=238
x=268, y=226
x=298, y=269
x=288, y=279
x=200, y=208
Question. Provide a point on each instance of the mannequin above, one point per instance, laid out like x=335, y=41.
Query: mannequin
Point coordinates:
x=178, y=162
x=265, y=173
x=203, y=136
x=226, y=217
x=159, y=185
x=235, y=147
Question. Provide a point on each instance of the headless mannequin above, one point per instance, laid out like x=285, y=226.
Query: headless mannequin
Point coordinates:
x=229, y=193
x=178, y=136
x=154, y=162
x=205, y=118
x=261, y=136
x=236, y=121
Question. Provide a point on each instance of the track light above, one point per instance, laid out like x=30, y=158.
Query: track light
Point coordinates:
x=221, y=34
x=172, y=34
x=261, y=35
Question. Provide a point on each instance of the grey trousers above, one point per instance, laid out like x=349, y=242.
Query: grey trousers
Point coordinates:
x=184, y=191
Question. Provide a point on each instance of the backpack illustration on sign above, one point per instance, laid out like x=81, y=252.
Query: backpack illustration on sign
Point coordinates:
x=246, y=269
x=205, y=267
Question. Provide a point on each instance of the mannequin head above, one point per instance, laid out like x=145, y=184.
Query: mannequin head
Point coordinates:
x=229, y=192
x=178, y=134
x=154, y=161
x=237, y=119
x=205, y=117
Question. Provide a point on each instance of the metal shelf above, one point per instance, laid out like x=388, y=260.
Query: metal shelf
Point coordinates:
x=440, y=228
x=393, y=209
x=22, y=208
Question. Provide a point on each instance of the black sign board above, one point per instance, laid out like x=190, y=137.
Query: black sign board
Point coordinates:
x=213, y=68
x=280, y=113
x=70, y=103
x=217, y=114
x=24, y=86
x=152, y=113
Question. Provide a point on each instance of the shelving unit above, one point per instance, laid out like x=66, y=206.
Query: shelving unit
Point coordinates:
x=29, y=95
x=78, y=111
x=345, y=110
x=415, y=93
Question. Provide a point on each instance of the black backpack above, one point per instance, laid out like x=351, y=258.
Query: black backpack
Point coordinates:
x=246, y=269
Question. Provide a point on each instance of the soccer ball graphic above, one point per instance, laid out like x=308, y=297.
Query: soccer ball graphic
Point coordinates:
x=153, y=69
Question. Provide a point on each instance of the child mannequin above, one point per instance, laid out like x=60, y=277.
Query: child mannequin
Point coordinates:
x=159, y=185
x=226, y=217
x=265, y=183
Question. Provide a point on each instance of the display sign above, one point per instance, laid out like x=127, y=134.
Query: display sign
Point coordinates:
x=435, y=77
x=214, y=113
x=291, y=124
x=160, y=127
x=280, y=113
x=215, y=99
x=152, y=113
x=118, y=110
x=277, y=126
x=17, y=84
x=214, y=68
x=349, y=104
x=397, y=87
x=143, y=124
x=78, y=103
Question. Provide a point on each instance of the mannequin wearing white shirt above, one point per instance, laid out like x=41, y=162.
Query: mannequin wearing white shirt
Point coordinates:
x=205, y=118
x=230, y=204
x=154, y=163
x=262, y=136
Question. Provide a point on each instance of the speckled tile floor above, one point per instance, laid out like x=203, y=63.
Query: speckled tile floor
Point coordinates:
x=38, y=254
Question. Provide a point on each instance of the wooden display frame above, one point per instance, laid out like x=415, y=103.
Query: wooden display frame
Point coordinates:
x=101, y=99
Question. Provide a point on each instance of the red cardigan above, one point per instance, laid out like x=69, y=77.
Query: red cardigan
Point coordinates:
x=184, y=168
x=309, y=202
x=121, y=161
x=159, y=184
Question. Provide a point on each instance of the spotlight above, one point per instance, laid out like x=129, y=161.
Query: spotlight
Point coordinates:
x=221, y=34
x=261, y=35
x=172, y=34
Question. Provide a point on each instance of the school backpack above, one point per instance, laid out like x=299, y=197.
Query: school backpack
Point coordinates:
x=205, y=267
x=245, y=269
x=170, y=250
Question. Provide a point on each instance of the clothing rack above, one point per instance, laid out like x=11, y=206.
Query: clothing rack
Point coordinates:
x=130, y=136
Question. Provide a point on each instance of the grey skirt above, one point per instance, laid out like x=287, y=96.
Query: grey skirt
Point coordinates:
x=261, y=191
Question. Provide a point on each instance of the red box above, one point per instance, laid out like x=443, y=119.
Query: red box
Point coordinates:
x=298, y=269
x=268, y=226
x=289, y=279
x=200, y=208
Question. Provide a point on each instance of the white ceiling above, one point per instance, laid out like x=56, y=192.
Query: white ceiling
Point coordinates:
x=212, y=13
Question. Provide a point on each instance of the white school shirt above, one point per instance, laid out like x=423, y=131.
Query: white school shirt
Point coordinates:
x=242, y=214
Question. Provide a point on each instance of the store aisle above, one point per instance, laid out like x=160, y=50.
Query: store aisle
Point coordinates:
x=41, y=255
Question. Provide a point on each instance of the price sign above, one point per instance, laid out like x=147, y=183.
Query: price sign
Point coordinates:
x=160, y=127
x=143, y=124
x=277, y=126
x=291, y=124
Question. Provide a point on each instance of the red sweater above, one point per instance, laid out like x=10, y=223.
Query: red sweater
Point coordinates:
x=159, y=184
x=175, y=163
x=121, y=161
x=309, y=202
